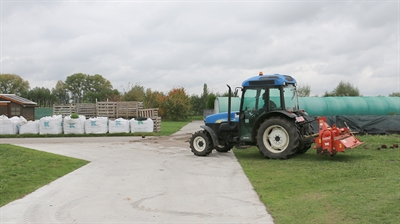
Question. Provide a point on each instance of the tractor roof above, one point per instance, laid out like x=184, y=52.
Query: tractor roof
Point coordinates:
x=269, y=80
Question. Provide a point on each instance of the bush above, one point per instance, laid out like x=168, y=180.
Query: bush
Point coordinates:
x=74, y=116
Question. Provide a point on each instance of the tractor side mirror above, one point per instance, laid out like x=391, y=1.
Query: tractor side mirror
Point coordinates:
x=235, y=94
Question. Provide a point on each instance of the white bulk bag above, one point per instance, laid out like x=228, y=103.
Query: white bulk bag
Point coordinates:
x=30, y=127
x=97, y=125
x=141, y=125
x=7, y=127
x=50, y=125
x=18, y=120
x=119, y=125
x=74, y=125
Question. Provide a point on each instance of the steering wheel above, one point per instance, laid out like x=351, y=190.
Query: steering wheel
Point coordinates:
x=272, y=105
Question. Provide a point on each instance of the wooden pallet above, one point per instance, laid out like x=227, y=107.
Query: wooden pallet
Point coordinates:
x=123, y=109
x=128, y=109
x=86, y=109
x=64, y=110
x=157, y=124
x=149, y=113
x=106, y=109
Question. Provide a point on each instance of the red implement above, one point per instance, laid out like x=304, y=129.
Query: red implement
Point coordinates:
x=333, y=139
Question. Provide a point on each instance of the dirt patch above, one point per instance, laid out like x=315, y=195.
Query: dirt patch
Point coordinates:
x=167, y=141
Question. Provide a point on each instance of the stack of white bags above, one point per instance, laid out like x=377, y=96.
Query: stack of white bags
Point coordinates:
x=57, y=125
x=9, y=126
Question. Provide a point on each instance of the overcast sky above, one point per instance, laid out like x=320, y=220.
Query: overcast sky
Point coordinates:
x=166, y=44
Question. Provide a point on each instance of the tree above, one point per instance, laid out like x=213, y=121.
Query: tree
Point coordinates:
x=153, y=99
x=114, y=95
x=61, y=93
x=303, y=91
x=210, y=101
x=177, y=104
x=76, y=85
x=344, y=89
x=97, y=88
x=136, y=93
x=395, y=94
x=89, y=88
x=13, y=84
x=42, y=96
x=204, y=95
x=197, y=105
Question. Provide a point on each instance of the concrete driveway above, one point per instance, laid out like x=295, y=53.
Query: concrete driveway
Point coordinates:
x=139, y=180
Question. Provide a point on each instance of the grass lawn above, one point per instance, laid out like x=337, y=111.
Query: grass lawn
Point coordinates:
x=24, y=170
x=361, y=185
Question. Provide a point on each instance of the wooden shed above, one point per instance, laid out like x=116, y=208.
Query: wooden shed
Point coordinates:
x=12, y=105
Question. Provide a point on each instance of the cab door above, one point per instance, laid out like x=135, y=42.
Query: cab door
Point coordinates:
x=250, y=107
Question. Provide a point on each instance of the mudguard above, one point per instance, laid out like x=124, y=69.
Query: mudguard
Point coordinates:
x=214, y=136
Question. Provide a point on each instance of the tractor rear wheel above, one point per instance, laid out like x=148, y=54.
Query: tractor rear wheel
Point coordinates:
x=277, y=138
x=303, y=148
x=200, y=143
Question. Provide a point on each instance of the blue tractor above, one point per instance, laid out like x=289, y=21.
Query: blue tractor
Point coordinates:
x=269, y=118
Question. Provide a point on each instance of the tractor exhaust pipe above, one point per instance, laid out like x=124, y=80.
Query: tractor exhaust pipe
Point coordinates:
x=229, y=103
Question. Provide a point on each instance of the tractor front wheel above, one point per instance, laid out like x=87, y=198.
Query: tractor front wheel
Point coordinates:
x=200, y=143
x=277, y=138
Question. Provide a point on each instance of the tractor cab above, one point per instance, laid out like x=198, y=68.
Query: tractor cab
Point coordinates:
x=264, y=96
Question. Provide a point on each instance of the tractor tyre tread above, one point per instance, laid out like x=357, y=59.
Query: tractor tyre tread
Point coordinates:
x=291, y=130
x=201, y=137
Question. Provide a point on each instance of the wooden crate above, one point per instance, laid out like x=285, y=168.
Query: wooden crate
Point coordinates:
x=149, y=113
x=157, y=124
x=86, y=109
x=128, y=109
x=106, y=109
x=64, y=110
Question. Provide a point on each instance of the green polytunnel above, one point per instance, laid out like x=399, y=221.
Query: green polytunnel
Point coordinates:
x=221, y=104
x=331, y=106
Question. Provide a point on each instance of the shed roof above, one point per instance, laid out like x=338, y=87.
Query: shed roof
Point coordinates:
x=17, y=99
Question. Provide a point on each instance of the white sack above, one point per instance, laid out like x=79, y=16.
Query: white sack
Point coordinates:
x=119, y=125
x=50, y=125
x=142, y=125
x=7, y=127
x=18, y=120
x=74, y=125
x=30, y=127
x=97, y=125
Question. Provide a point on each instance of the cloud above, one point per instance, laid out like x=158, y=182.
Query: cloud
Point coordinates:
x=162, y=45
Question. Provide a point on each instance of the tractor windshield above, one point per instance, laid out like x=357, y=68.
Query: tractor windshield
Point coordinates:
x=291, y=101
x=255, y=98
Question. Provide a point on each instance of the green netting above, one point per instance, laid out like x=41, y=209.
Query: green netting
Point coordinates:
x=43, y=112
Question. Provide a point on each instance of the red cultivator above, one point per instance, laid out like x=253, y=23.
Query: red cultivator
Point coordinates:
x=331, y=140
